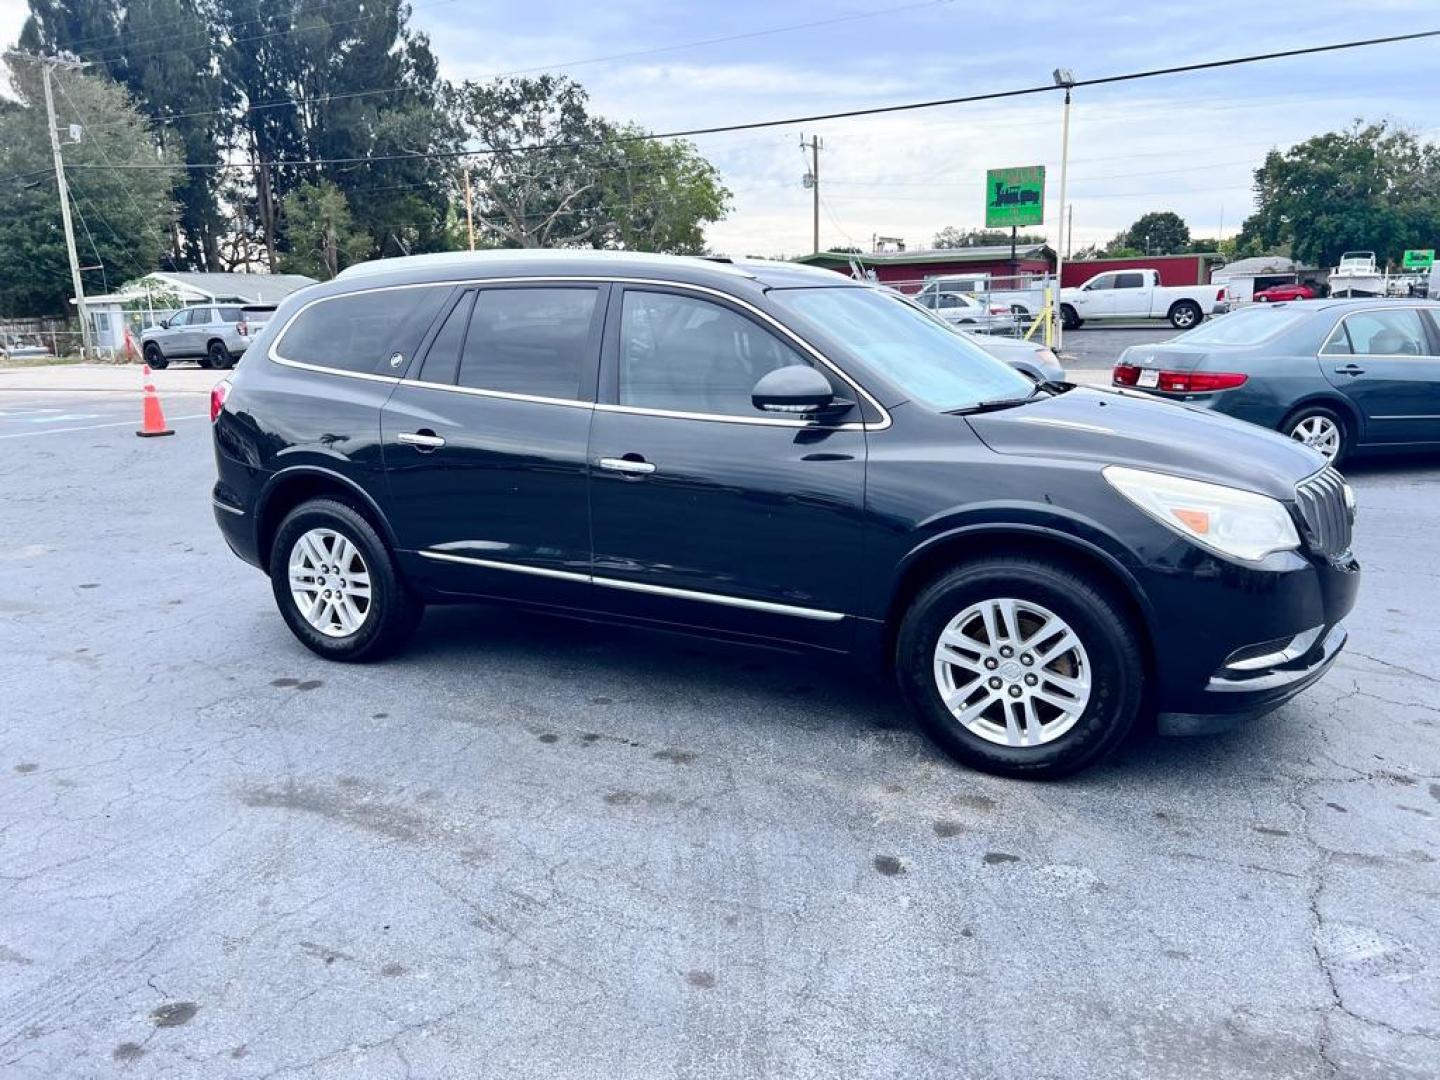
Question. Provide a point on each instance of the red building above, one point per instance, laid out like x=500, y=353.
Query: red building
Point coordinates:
x=909, y=270
x=1173, y=269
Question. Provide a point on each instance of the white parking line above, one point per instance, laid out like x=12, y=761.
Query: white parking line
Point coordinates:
x=92, y=427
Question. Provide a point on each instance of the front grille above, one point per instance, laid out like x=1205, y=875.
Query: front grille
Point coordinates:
x=1326, y=518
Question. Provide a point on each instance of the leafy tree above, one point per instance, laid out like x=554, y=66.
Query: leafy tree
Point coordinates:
x=122, y=216
x=321, y=235
x=591, y=184
x=1374, y=188
x=1160, y=232
x=657, y=195
x=952, y=237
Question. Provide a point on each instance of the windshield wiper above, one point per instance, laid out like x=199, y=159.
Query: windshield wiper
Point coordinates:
x=998, y=403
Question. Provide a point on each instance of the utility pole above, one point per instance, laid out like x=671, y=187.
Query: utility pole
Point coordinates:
x=812, y=181
x=1069, y=229
x=1066, y=78
x=48, y=66
x=469, y=213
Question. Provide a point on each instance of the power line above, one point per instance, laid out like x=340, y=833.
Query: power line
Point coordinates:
x=754, y=125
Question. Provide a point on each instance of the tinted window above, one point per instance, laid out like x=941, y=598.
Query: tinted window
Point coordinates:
x=688, y=355
x=443, y=359
x=529, y=341
x=1387, y=333
x=924, y=358
x=1104, y=281
x=1129, y=281
x=360, y=331
x=229, y=314
x=201, y=315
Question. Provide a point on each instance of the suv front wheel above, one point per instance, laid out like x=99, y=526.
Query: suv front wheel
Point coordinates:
x=1021, y=668
x=336, y=584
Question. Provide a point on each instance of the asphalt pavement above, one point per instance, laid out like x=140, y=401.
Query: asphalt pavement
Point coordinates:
x=535, y=848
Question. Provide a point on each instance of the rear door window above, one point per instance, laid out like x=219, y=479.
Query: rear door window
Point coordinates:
x=534, y=342
x=1129, y=281
x=362, y=332
x=1393, y=332
x=442, y=360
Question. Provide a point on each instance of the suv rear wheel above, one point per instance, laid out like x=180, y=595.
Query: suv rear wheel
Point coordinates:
x=218, y=356
x=336, y=584
x=1021, y=668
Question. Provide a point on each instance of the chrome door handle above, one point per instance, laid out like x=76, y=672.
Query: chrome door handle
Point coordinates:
x=626, y=465
x=1350, y=369
x=420, y=440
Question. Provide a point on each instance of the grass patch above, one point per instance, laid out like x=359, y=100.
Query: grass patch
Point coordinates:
x=37, y=361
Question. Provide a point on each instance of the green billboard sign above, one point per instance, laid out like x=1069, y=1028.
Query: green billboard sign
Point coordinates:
x=1015, y=197
x=1419, y=260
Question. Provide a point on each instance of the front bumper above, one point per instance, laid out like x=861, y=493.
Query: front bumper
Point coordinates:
x=1255, y=693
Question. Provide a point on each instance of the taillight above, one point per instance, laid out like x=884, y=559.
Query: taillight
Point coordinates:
x=999, y=311
x=1179, y=382
x=218, y=393
x=1220, y=294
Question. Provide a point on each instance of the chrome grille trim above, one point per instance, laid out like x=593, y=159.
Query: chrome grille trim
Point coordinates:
x=1323, y=513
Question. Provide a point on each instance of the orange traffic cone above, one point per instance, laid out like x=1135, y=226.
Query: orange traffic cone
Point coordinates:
x=152, y=421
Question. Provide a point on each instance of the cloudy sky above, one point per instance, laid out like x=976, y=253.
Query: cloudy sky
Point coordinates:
x=1186, y=143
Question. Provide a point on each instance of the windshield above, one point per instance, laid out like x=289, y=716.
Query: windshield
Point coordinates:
x=927, y=360
x=1247, y=327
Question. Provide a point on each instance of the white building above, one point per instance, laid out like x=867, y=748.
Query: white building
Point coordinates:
x=145, y=301
x=1244, y=276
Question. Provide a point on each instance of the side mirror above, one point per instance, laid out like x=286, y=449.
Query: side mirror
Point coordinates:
x=798, y=388
x=164, y=324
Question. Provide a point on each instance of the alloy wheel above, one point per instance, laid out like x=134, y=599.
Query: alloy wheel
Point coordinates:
x=1012, y=672
x=1320, y=433
x=330, y=582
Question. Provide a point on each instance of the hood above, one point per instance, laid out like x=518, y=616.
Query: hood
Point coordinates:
x=1111, y=428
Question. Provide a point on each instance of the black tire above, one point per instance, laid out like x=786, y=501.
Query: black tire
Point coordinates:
x=394, y=611
x=1069, y=319
x=1186, y=315
x=1341, y=422
x=154, y=357
x=219, y=357
x=1098, y=620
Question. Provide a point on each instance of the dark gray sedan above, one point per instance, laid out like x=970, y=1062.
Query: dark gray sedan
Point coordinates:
x=1342, y=376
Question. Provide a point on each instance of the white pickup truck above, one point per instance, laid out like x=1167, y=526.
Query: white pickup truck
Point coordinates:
x=1138, y=294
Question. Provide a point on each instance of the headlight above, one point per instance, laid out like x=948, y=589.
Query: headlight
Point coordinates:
x=1241, y=524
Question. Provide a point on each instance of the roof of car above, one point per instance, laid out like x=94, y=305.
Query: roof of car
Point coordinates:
x=1337, y=302
x=442, y=266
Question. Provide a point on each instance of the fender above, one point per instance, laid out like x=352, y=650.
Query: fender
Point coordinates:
x=1044, y=522
x=283, y=476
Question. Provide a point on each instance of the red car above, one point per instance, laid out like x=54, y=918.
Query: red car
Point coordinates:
x=1285, y=292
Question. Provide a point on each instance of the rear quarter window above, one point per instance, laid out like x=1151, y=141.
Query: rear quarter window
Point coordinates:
x=360, y=332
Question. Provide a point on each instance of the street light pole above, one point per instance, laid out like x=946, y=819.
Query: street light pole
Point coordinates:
x=1066, y=78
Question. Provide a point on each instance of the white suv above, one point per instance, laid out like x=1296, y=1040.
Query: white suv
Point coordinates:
x=214, y=334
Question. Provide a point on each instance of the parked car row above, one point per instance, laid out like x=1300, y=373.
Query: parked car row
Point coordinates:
x=1341, y=376
x=776, y=454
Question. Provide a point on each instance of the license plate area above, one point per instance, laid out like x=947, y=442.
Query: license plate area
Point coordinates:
x=1149, y=377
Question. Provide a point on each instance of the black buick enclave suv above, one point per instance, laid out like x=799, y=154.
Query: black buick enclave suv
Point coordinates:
x=775, y=453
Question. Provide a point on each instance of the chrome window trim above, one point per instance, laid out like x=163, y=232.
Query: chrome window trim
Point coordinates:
x=228, y=509
x=273, y=353
x=769, y=606
x=1340, y=325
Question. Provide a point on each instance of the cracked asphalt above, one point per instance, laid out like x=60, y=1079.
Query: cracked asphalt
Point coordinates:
x=533, y=848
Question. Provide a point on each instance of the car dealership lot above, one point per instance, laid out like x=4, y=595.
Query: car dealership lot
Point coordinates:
x=529, y=847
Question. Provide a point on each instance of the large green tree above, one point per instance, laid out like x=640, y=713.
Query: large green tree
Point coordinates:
x=1160, y=232
x=321, y=236
x=549, y=173
x=163, y=52
x=122, y=214
x=1371, y=187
